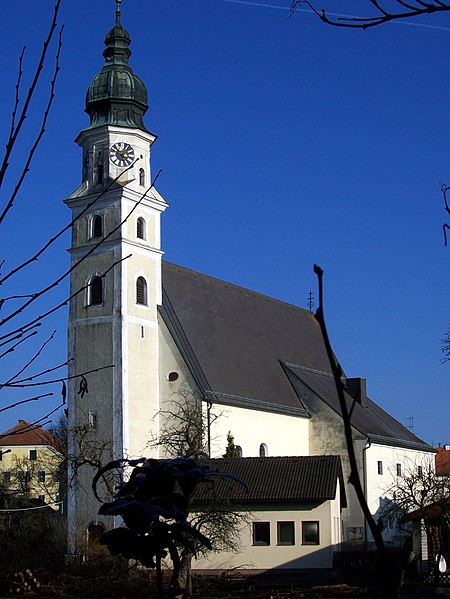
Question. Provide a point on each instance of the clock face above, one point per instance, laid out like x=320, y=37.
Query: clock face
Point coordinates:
x=121, y=154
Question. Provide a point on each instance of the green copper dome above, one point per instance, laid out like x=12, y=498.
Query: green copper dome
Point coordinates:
x=116, y=96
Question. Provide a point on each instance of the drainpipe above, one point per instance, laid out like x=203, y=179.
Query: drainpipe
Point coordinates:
x=368, y=445
x=208, y=425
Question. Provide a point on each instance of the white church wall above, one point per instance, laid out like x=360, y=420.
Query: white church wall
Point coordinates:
x=282, y=435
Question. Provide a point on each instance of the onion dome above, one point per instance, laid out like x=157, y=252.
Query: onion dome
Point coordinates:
x=116, y=96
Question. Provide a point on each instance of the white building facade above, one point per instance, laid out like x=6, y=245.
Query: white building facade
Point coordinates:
x=147, y=331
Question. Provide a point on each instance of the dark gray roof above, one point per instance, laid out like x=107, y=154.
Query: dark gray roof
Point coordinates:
x=276, y=479
x=248, y=349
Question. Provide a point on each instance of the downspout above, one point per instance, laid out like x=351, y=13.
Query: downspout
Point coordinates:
x=368, y=445
x=208, y=425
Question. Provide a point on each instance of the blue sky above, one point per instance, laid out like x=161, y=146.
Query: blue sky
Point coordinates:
x=283, y=143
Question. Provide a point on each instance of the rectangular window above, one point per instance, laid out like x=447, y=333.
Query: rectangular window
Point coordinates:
x=41, y=476
x=6, y=477
x=93, y=420
x=310, y=533
x=261, y=533
x=419, y=470
x=285, y=533
x=399, y=469
x=33, y=454
x=380, y=467
x=1, y=455
x=23, y=477
x=41, y=498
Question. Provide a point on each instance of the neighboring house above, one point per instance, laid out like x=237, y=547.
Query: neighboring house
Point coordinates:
x=436, y=518
x=172, y=332
x=443, y=460
x=30, y=461
x=292, y=508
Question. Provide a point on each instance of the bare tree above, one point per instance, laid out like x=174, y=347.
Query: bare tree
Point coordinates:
x=384, y=11
x=421, y=495
x=390, y=574
x=184, y=434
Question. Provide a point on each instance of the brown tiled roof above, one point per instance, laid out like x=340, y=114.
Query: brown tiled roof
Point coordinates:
x=275, y=479
x=443, y=461
x=24, y=433
x=250, y=350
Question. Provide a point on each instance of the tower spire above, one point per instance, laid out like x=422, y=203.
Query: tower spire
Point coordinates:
x=116, y=96
x=118, y=3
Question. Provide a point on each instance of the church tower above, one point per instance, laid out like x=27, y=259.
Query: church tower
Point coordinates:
x=116, y=276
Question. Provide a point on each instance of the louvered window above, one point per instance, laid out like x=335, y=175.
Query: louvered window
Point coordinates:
x=141, y=291
x=140, y=228
x=97, y=226
x=96, y=291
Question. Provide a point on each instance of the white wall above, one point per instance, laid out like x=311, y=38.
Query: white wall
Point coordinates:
x=263, y=557
x=283, y=435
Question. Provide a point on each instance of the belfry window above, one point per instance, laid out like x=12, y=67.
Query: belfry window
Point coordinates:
x=140, y=228
x=263, y=450
x=141, y=177
x=97, y=226
x=141, y=291
x=95, y=291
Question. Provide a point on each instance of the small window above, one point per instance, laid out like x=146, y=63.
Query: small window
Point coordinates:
x=380, y=467
x=141, y=177
x=239, y=452
x=172, y=376
x=419, y=471
x=6, y=477
x=41, y=476
x=97, y=226
x=23, y=477
x=398, y=468
x=33, y=454
x=285, y=533
x=141, y=291
x=261, y=533
x=310, y=533
x=1, y=455
x=93, y=420
x=263, y=451
x=41, y=498
x=96, y=291
x=140, y=228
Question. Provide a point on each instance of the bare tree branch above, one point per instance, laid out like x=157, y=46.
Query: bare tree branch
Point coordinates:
x=382, y=13
x=15, y=129
x=41, y=132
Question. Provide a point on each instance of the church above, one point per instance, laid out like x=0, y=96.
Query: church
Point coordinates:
x=149, y=332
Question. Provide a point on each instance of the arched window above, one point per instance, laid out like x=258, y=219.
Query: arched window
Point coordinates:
x=140, y=228
x=141, y=177
x=141, y=291
x=95, y=295
x=238, y=451
x=97, y=226
x=263, y=451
